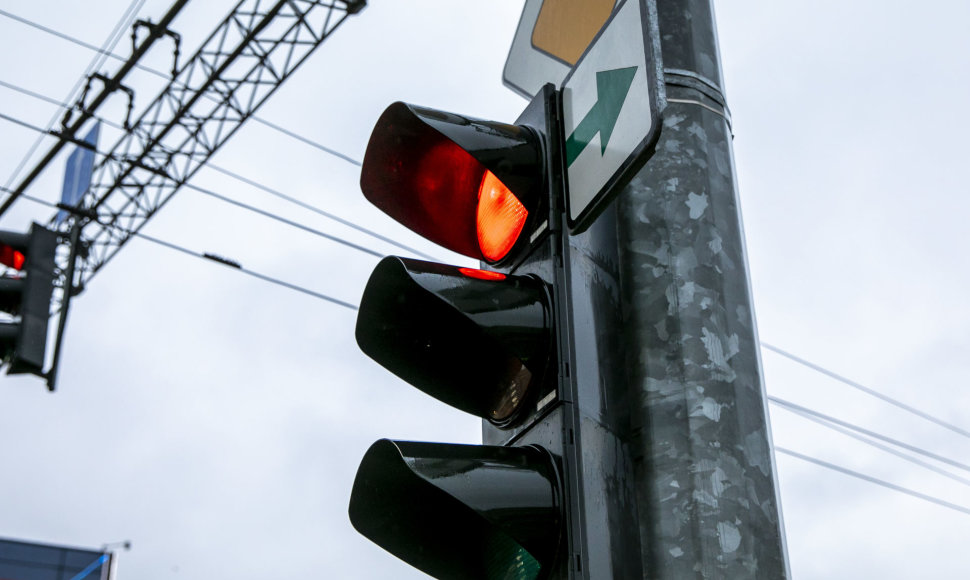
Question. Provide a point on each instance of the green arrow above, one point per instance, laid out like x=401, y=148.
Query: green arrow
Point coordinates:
x=612, y=87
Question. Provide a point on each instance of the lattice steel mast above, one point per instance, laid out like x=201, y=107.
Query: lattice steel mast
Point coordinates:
x=238, y=67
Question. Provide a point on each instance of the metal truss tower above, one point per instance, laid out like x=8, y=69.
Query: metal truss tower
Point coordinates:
x=241, y=64
x=245, y=59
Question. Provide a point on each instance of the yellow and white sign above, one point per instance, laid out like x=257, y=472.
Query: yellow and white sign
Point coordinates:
x=551, y=37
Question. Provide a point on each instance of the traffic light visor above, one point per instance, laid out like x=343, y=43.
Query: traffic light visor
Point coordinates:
x=465, y=184
x=473, y=339
x=461, y=511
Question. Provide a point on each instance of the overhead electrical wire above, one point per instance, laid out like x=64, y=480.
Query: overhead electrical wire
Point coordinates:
x=249, y=207
x=24, y=124
x=790, y=406
x=33, y=94
x=868, y=478
x=164, y=75
x=822, y=418
x=210, y=258
x=875, y=480
x=113, y=38
x=283, y=220
x=236, y=176
x=870, y=438
x=844, y=427
x=319, y=211
x=238, y=267
x=871, y=392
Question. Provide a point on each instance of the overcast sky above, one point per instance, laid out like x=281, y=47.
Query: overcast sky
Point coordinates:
x=217, y=421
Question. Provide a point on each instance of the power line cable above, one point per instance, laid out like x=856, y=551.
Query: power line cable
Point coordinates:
x=856, y=433
x=877, y=481
x=258, y=211
x=125, y=21
x=330, y=299
x=31, y=93
x=813, y=415
x=317, y=210
x=210, y=258
x=868, y=391
x=242, y=179
x=22, y=124
x=164, y=75
x=236, y=266
x=281, y=219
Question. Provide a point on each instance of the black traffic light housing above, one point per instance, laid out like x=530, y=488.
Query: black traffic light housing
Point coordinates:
x=485, y=341
x=475, y=339
x=27, y=296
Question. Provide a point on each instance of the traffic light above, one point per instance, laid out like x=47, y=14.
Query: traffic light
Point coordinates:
x=484, y=341
x=26, y=295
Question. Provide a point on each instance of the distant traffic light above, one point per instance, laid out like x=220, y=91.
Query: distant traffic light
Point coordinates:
x=481, y=340
x=26, y=297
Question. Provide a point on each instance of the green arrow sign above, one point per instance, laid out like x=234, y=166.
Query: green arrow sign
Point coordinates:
x=612, y=87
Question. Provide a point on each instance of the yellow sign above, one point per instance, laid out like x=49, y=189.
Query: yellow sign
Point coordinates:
x=566, y=27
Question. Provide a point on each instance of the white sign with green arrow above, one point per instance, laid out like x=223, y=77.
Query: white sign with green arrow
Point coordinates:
x=610, y=118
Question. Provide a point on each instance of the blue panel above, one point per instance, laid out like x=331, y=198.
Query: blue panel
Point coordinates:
x=30, y=561
x=78, y=172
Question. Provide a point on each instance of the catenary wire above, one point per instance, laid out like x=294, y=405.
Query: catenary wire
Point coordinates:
x=819, y=462
x=319, y=211
x=791, y=406
x=240, y=178
x=33, y=94
x=252, y=273
x=875, y=480
x=24, y=124
x=210, y=258
x=806, y=412
x=857, y=434
x=258, y=211
x=158, y=73
x=305, y=140
x=868, y=391
x=283, y=220
x=124, y=22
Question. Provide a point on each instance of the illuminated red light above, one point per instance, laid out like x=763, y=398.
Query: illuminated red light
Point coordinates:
x=436, y=173
x=482, y=274
x=11, y=257
x=500, y=218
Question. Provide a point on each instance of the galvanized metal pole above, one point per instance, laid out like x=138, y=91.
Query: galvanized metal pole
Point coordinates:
x=700, y=441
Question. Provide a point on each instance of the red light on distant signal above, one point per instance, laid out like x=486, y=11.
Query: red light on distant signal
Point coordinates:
x=11, y=257
x=500, y=218
x=482, y=274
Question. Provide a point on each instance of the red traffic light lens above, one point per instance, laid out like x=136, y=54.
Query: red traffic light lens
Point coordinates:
x=465, y=184
x=500, y=218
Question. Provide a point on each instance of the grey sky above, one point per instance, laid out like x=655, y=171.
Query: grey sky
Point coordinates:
x=217, y=421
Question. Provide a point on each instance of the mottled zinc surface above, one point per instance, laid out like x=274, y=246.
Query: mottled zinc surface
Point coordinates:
x=707, y=496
